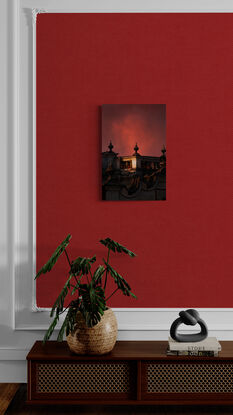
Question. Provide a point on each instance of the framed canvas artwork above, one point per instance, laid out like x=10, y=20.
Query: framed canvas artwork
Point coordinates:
x=133, y=152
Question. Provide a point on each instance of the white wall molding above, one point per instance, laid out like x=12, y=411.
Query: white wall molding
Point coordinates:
x=140, y=319
x=21, y=323
x=35, y=12
x=27, y=316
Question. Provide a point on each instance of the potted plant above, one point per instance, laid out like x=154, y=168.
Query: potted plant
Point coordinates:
x=90, y=326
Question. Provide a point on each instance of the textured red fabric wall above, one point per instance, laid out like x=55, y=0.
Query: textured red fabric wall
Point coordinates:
x=184, y=244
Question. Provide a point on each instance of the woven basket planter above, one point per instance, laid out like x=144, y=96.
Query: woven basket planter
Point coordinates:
x=96, y=340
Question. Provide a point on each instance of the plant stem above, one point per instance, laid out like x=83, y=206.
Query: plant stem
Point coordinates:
x=88, y=278
x=61, y=312
x=77, y=280
x=112, y=294
x=68, y=259
x=106, y=277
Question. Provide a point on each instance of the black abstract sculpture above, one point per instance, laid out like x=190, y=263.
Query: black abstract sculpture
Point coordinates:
x=189, y=317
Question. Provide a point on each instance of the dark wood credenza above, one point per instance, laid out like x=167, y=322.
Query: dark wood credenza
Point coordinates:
x=135, y=372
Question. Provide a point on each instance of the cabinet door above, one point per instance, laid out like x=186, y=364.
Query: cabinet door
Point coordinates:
x=179, y=379
x=83, y=380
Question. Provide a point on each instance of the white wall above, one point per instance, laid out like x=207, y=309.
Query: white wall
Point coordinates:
x=20, y=323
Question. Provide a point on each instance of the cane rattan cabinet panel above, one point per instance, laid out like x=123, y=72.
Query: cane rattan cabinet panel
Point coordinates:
x=188, y=380
x=133, y=373
x=84, y=380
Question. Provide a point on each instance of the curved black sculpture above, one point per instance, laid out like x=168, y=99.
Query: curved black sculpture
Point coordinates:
x=189, y=317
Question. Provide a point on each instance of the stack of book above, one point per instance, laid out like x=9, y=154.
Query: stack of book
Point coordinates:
x=207, y=347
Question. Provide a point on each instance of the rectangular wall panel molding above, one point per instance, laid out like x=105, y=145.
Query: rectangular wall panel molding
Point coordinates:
x=22, y=321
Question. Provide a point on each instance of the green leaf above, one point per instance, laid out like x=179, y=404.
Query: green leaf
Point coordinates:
x=133, y=295
x=82, y=265
x=59, y=303
x=116, y=247
x=69, y=321
x=93, y=303
x=75, y=288
x=51, y=328
x=53, y=259
x=63, y=328
x=97, y=276
x=120, y=281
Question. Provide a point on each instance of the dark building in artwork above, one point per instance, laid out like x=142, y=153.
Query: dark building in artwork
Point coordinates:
x=133, y=177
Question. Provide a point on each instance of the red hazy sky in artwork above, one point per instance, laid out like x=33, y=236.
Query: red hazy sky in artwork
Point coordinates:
x=128, y=124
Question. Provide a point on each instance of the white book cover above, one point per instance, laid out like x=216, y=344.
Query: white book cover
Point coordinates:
x=211, y=343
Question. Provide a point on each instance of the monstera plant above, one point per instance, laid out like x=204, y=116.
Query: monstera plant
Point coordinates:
x=86, y=285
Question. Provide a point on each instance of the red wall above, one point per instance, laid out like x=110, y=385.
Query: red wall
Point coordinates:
x=184, y=244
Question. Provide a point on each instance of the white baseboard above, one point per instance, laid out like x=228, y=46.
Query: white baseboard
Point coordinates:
x=13, y=372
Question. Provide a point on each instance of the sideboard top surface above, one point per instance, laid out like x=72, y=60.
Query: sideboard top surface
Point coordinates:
x=129, y=350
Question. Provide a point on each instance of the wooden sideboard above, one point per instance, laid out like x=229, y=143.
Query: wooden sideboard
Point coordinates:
x=135, y=373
